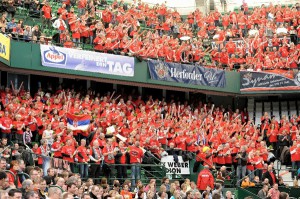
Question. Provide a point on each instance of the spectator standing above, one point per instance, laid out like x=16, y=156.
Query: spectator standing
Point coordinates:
x=96, y=158
x=44, y=155
x=46, y=15
x=284, y=140
x=48, y=135
x=241, y=158
x=11, y=10
x=83, y=159
x=295, y=157
x=27, y=136
x=245, y=115
x=82, y=4
x=19, y=125
x=205, y=178
x=68, y=152
x=6, y=126
x=270, y=175
x=120, y=160
x=60, y=24
x=136, y=154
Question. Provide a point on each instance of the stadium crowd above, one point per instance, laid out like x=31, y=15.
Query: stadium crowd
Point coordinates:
x=264, y=38
x=143, y=130
x=125, y=131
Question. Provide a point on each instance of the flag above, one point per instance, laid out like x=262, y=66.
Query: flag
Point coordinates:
x=78, y=122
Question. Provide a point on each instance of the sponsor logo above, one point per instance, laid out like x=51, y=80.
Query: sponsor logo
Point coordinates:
x=161, y=70
x=54, y=56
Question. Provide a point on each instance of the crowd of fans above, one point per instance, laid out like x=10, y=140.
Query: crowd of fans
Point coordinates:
x=258, y=39
x=216, y=136
x=264, y=38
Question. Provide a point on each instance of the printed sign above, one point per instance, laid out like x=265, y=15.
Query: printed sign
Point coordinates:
x=188, y=74
x=4, y=47
x=88, y=61
x=269, y=80
x=182, y=168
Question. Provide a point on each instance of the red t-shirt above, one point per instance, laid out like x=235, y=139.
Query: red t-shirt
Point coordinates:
x=56, y=145
x=47, y=11
x=230, y=46
x=83, y=151
x=6, y=122
x=18, y=125
x=68, y=150
x=136, y=154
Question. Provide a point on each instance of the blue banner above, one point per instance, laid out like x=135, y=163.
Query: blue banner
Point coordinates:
x=73, y=59
x=188, y=74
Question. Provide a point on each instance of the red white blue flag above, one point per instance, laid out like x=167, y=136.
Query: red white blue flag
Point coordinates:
x=78, y=122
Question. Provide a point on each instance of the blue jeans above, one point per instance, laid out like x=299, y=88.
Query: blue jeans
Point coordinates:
x=250, y=174
x=84, y=170
x=135, y=174
x=46, y=164
x=240, y=172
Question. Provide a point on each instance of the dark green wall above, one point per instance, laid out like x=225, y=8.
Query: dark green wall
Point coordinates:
x=27, y=56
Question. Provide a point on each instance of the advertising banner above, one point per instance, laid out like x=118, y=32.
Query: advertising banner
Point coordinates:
x=4, y=47
x=180, y=167
x=88, y=61
x=185, y=73
x=269, y=80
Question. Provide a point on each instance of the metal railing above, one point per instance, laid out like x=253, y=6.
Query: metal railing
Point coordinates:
x=156, y=171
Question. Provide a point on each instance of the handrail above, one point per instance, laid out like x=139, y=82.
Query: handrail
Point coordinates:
x=24, y=174
x=160, y=166
x=277, y=173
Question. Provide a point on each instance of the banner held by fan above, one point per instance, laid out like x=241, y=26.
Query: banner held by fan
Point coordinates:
x=78, y=122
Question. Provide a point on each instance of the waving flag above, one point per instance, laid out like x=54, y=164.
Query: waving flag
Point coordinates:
x=78, y=122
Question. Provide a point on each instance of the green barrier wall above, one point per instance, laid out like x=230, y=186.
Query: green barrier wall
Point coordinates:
x=27, y=56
